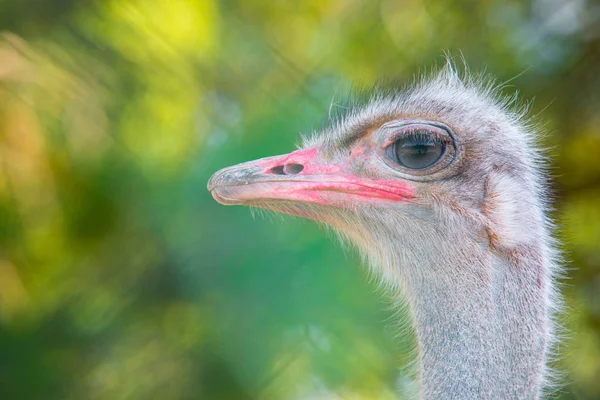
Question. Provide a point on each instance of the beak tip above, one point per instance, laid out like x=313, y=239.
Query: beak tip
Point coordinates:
x=210, y=185
x=218, y=186
x=215, y=180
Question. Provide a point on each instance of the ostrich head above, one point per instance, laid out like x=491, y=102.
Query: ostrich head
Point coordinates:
x=439, y=185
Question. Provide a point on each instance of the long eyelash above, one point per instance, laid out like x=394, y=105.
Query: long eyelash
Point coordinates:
x=419, y=138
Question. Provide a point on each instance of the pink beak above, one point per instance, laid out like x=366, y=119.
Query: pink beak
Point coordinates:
x=300, y=177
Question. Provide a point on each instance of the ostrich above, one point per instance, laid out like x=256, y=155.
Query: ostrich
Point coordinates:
x=442, y=189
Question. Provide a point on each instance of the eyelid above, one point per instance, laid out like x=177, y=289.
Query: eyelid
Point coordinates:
x=400, y=132
x=419, y=138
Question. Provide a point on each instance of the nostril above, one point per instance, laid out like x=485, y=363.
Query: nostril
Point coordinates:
x=287, y=169
x=278, y=170
x=292, y=169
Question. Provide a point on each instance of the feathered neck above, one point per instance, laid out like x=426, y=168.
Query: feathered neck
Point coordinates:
x=481, y=307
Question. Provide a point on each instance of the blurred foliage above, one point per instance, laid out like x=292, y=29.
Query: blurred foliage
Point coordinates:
x=121, y=278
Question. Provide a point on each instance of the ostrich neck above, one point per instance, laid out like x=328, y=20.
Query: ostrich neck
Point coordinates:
x=481, y=326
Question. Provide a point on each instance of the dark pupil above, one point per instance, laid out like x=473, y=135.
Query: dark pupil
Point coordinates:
x=418, y=152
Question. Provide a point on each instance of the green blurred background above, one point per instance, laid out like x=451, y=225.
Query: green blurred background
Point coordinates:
x=121, y=278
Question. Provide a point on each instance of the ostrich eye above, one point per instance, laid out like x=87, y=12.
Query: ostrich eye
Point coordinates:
x=417, y=150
